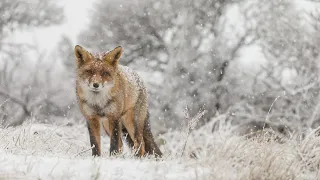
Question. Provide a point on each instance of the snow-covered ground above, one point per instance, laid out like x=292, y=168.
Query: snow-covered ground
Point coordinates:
x=41, y=151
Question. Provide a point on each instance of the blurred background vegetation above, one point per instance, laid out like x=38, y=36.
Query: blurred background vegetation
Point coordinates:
x=253, y=60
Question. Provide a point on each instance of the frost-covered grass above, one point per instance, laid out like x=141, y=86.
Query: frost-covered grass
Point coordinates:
x=40, y=151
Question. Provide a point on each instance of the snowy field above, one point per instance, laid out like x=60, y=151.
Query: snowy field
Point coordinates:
x=242, y=61
x=41, y=151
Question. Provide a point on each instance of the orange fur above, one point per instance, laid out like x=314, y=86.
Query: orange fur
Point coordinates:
x=115, y=96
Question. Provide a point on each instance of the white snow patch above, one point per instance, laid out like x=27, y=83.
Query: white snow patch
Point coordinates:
x=39, y=151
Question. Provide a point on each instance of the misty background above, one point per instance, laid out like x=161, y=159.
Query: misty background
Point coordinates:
x=253, y=60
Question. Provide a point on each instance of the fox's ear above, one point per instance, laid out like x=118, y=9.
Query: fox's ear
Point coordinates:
x=113, y=56
x=81, y=54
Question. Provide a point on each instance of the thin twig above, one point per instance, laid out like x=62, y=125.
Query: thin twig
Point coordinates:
x=267, y=117
x=4, y=102
x=84, y=151
x=191, y=125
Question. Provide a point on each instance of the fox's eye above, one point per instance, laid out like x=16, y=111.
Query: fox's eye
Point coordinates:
x=105, y=73
x=89, y=72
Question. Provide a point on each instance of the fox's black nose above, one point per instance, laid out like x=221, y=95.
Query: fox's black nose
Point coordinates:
x=95, y=85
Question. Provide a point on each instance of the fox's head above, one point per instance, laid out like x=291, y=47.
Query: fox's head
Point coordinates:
x=96, y=71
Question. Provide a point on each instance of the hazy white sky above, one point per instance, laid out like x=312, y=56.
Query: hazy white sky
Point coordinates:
x=77, y=15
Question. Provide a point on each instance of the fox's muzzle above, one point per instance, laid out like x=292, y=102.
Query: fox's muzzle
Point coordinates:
x=95, y=86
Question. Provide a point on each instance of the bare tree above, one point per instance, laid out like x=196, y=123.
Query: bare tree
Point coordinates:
x=193, y=44
x=286, y=89
x=176, y=38
x=20, y=87
x=65, y=49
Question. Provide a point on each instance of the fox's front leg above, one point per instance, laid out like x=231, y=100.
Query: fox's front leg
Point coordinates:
x=115, y=136
x=94, y=133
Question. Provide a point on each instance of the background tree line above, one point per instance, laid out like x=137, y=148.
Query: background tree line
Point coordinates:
x=253, y=60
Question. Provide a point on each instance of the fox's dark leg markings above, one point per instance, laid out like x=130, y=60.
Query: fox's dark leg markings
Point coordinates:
x=150, y=146
x=94, y=133
x=115, y=137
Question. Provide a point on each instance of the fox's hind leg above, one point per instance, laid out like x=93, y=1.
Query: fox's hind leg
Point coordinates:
x=131, y=128
x=140, y=115
x=150, y=146
x=113, y=128
x=106, y=126
x=143, y=132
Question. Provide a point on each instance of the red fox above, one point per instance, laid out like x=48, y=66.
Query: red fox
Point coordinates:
x=114, y=96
